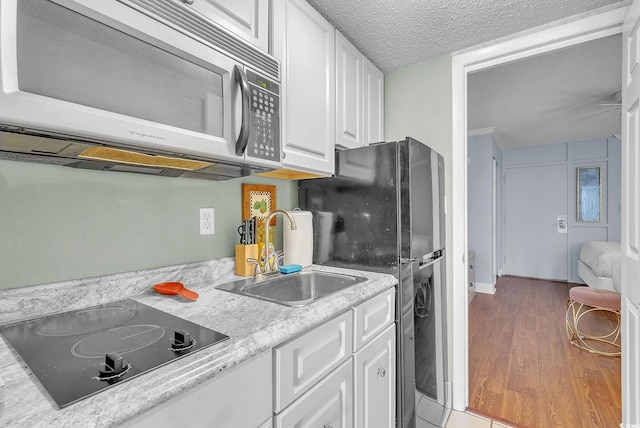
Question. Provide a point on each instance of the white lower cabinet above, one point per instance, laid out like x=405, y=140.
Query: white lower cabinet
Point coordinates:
x=220, y=403
x=375, y=382
x=302, y=362
x=340, y=374
x=311, y=392
x=327, y=404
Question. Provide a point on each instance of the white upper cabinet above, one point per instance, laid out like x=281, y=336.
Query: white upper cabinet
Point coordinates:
x=349, y=96
x=373, y=103
x=247, y=19
x=360, y=97
x=303, y=41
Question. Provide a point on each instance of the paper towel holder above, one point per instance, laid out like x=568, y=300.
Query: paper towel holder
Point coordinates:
x=298, y=244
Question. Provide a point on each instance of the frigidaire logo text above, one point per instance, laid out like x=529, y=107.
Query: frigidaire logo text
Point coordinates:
x=141, y=134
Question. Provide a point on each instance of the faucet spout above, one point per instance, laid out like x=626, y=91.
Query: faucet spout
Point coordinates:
x=267, y=266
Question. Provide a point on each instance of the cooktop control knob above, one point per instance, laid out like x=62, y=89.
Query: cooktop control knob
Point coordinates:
x=182, y=340
x=114, y=366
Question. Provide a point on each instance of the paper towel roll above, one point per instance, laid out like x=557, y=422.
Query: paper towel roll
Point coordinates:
x=298, y=244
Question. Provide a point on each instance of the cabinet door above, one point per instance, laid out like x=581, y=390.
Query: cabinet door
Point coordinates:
x=247, y=19
x=328, y=404
x=220, y=403
x=349, y=85
x=375, y=382
x=373, y=103
x=303, y=41
x=302, y=362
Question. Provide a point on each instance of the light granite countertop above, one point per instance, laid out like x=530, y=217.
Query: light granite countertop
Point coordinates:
x=254, y=326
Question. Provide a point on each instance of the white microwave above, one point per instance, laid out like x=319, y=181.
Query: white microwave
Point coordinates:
x=134, y=85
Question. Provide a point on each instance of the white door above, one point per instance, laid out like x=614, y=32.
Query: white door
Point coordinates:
x=534, y=197
x=631, y=218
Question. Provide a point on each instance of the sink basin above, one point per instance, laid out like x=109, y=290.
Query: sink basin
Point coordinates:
x=298, y=289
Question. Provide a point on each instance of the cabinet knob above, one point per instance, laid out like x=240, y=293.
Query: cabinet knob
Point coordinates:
x=188, y=1
x=382, y=372
x=327, y=426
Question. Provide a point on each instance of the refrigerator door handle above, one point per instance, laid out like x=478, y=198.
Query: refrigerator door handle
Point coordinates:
x=428, y=262
x=425, y=259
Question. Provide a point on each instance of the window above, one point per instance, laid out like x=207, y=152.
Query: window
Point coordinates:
x=589, y=193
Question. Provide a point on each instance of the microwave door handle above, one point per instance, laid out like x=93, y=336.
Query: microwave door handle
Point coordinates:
x=243, y=138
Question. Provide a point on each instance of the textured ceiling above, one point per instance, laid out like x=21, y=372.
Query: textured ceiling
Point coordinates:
x=396, y=33
x=550, y=98
x=546, y=99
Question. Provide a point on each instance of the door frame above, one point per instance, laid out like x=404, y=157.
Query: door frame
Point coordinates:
x=494, y=218
x=582, y=28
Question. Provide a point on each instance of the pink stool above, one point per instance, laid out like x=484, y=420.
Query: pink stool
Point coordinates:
x=584, y=301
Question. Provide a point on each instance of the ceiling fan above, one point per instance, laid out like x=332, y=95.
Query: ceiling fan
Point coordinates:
x=612, y=103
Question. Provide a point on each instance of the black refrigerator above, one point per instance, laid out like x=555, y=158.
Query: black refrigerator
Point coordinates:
x=384, y=211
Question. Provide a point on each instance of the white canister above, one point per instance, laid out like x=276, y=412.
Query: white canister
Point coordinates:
x=297, y=244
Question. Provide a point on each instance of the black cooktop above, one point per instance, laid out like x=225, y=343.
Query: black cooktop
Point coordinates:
x=80, y=353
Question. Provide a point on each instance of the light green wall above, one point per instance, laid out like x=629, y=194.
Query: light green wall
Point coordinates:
x=418, y=104
x=59, y=223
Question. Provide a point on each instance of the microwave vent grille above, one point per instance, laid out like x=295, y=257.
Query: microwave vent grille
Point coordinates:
x=196, y=26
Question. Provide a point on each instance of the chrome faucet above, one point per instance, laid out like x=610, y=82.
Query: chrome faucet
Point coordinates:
x=268, y=267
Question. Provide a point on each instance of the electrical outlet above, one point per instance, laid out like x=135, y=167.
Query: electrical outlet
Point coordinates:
x=207, y=225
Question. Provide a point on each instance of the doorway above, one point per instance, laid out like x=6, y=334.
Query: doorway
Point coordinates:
x=528, y=44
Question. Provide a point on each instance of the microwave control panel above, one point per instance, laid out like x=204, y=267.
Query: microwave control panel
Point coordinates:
x=264, y=142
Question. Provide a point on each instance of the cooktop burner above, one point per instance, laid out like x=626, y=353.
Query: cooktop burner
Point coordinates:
x=80, y=353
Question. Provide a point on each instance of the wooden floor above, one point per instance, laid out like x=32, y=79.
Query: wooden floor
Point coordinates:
x=523, y=370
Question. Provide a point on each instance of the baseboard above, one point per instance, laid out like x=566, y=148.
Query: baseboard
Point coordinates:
x=485, y=288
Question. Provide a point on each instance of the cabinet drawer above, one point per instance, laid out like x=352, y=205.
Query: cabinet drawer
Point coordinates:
x=299, y=364
x=329, y=403
x=373, y=316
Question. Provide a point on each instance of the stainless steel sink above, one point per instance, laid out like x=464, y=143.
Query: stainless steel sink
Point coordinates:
x=298, y=289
